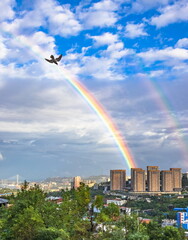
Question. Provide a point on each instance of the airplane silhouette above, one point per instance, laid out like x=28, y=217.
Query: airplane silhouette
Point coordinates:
x=53, y=59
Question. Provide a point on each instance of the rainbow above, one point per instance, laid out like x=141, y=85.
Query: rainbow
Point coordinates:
x=165, y=106
x=86, y=94
x=100, y=111
x=171, y=119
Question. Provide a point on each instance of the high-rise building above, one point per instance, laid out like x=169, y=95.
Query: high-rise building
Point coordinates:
x=176, y=178
x=76, y=182
x=153, y=179
x=117, y=179
x=138, y=180
x=166, y=181
x=185, y=175
x=152, y=168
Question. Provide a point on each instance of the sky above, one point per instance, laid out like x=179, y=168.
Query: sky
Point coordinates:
x=132, y=56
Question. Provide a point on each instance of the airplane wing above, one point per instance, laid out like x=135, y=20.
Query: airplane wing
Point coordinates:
x=50, y=61
x=58, y=58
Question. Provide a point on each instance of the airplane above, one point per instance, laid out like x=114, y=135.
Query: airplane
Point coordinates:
x=53, y=59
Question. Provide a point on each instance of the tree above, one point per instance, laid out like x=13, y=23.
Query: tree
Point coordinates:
x=51, y=234
x=153, y=230
x=26, y=225
x=73, y=210
x=138, y=236
x=82, y=198
x=112, y=234
x=112, y=211
x=98, y=202
x=171, y=233
x=25, y=186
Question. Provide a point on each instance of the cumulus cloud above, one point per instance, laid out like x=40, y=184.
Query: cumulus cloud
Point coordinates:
x=7, y=9
x=135, y=30
x=31, y=109
x=157, y=73
x=106, y=38
x=1, y=157
x=100, y=14
x=32, y=47
x=115, y=47
x=182, y=43
x=3, y=48
x=171, y=14
x=144, y=5
x=102, y=68
x=166, y=54
x=26, y=21
x=105, y=65
x=59, y=19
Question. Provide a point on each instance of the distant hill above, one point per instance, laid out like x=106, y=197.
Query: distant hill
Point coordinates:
x=63, y=179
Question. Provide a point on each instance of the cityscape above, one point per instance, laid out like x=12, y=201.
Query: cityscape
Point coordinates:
x=121, y=190
x=149, y=181
x=93, y=120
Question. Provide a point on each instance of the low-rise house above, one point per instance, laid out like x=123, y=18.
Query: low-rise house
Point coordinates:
x=117, y=201
x=57, y=200
x=3, y=202
x=168, y=222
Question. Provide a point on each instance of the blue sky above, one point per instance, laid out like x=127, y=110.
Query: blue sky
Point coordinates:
x=131, y=55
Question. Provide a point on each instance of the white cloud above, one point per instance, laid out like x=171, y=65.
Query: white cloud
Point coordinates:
x=102, y=68
x=182, y=43
x=166, y=54
x=135, y=30
x=115, y=47
x=29, y=20
x=100, y=14
x=107, y=5
x=7, y=11
x=117, y=51
x=3, y=48
x=30, y=47
x=144, y=5
x=105, y=39
x=156, y=73
x=171, y=14
x=59, y=19
x=1, y=157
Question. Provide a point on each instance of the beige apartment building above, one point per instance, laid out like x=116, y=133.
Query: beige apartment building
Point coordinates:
x=117, y=179
x=76, y=182
x=176, y=178
x=166, y=181
x=153, y=180
x=138, y=180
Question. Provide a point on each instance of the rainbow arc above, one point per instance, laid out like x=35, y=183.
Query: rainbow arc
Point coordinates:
x=100, y=111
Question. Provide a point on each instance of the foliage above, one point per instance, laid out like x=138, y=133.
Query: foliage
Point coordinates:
x=153, y=230
x=99, y=201
x=138, y=236
x=26, y=224
x=51, y=234
x=32, y=217
x=171, y=233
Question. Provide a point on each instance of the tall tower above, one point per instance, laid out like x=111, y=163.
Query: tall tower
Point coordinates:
x=176, y=178
x=76, y=182
x=166, y=181
x=138, y=180
x=117, y=179
x=152, y=168
x=153, y=179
